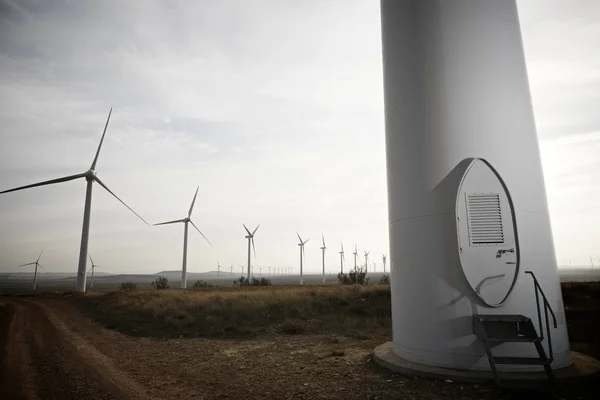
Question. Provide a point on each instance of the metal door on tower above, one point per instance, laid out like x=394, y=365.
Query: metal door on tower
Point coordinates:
x=488, y=244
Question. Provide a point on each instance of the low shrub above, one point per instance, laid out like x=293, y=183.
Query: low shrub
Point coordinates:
x=356, y=276
x=385, y=280
x=242, y=281
x=201, y=284
x=160, y=283
x=127, y=286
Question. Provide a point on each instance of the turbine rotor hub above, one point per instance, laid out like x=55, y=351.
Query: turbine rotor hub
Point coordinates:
x=90, y=175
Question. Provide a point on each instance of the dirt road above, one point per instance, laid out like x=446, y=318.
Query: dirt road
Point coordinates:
x=46, y=355
x=50, y=350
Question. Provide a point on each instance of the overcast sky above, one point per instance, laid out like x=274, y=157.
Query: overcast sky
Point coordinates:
x=274, y=108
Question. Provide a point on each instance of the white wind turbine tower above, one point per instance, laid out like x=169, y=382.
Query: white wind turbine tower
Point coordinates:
x=592, y=261
x=218, y=269
x=250, y=238
x=384, y=258
x=37, y=264
x=355, y=255
x=185, y=238
x=231, y=269
x=367, y=260
x=323, y=248
x=342, y=259
x=94, y=266
x=301, y=244
x=90, y=177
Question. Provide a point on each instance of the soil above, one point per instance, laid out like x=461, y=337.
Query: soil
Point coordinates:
x=50, y=350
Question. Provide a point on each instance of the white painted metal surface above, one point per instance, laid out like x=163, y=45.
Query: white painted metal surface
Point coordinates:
x=456, y=89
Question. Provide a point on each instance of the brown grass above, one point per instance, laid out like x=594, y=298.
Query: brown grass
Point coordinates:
x=358, y=312
x=244, y=312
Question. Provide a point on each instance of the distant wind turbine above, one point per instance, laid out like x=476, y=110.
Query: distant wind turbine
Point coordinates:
x=185, y=238
x=242, y=267
x=592, y=261
x=231, y=269
x=250, y=238
x=94, y=266
x=355, y=255
x=37, y=264
x=90, y=177
x=384, y=258
x=367, y=260
x=342, y=259
x=218, y=269
x=323, y=248
x=301, y=244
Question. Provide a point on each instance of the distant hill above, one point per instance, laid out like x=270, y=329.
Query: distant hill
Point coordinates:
x=178, y=272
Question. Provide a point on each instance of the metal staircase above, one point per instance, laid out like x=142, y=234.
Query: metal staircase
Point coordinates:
x=494, y=329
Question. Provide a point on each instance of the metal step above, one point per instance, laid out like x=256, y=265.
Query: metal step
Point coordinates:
x=513, y=339
x=502, y=318
x=520, y=360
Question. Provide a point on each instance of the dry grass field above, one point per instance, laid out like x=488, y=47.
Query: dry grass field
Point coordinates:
x=244, y=312
x=232, y=343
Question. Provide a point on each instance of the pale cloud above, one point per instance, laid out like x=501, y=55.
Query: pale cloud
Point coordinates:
x=273, y=108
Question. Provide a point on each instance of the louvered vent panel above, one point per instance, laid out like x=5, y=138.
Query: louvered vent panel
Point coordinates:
x=485, y=219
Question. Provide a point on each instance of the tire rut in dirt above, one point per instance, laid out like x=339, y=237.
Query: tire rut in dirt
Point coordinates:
x=54, y=365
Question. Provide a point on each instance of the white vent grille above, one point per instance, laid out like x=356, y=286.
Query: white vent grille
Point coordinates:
x=485, y=219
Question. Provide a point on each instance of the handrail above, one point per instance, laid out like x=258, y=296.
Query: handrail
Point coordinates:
x=547, y=307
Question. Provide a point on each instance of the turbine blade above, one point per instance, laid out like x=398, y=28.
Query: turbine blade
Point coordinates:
x=194, y=225
x=40, y=255
x=170, y=222
x=43, y=269
x=116, y=197
x=193, y=201
x=254, y=231
x=24, y=265
x=50, y=182
x=91, y=259
x=101, y=140
x=253, y=247
x=247, y=230
x=305, y=242
x=299, y=238
x=323, y=240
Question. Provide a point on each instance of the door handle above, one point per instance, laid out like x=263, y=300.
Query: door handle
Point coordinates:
x=511, y=262
x=499, y=253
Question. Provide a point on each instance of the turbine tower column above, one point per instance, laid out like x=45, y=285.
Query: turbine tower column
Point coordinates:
x=323, y=265
x=35, y=276
x=458, y=109
x=85, y=233
x=184, y=263
x=249, y=240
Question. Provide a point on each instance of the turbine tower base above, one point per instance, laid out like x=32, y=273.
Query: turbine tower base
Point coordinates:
x=584, y=368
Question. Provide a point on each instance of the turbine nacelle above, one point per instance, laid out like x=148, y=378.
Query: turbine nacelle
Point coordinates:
x=90, y=175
